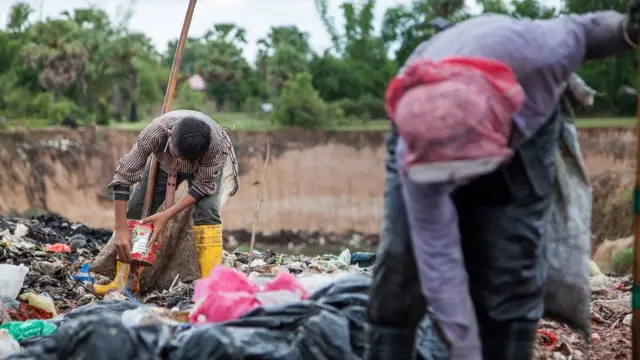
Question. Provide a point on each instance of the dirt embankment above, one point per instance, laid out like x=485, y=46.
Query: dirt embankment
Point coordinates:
x=329, y=181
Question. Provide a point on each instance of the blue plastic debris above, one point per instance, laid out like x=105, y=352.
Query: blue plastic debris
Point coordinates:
x=84, y=274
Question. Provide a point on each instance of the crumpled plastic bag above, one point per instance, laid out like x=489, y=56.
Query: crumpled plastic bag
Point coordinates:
x=568, y=252
x=8, y=345
x=42, y=302
x=227, y=294
x=11, y=279
x=21, y=330
x=59, y=248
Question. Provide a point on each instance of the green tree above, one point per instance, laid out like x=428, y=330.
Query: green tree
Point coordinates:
x=222, y=65
x=300, y=105
x=284, y=53
x=608, y=75
x=54, y=47
x=407, y=26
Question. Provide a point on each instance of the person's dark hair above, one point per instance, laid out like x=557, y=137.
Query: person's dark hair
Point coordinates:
x=191, y=138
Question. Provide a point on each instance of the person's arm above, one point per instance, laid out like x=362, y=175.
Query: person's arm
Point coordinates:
x=544, y=53
x=433, y=224
x=569, y=40
x=130, y=170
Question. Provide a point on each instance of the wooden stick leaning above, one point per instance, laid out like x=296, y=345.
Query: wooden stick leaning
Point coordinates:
x=168, y=101
x=166, y=107
x=252, y=244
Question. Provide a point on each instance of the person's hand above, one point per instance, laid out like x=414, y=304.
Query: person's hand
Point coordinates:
x=158, y=220
x=123, y=245
x=633, y=21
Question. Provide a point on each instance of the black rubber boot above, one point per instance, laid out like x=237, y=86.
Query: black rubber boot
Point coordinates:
x=383, y=343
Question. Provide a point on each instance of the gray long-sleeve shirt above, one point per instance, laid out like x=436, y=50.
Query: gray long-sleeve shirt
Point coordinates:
x=542, y=53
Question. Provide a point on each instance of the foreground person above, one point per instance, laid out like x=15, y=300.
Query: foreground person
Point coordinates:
x=470, y=169
x=189, y=146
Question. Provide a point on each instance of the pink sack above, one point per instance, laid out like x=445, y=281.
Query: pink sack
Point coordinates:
x=227, y=294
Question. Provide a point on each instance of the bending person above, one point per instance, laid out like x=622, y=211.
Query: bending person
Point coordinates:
x=189, y=146
x=476, y=160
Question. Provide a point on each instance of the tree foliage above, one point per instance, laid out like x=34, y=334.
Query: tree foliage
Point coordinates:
x=83, y=63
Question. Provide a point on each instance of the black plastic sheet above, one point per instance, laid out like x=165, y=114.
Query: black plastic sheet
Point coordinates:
x=330, y=325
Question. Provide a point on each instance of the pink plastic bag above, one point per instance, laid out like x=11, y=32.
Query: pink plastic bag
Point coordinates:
x=227, y=294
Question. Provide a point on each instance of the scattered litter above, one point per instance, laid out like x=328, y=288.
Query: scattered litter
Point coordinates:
x=228, y=294
x=4, y=313
x=8, y=345
x=21, y=230
x=21, y=330
x=11, y=279
x=62, y=276
x=549, y=339
x=85, y=274
x=59, y=248
x=42, y=302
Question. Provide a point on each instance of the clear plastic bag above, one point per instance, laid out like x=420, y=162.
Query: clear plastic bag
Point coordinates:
x=8, y=345
x=11, y=279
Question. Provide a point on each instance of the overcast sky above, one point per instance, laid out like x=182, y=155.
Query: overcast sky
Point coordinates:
x=162, y=19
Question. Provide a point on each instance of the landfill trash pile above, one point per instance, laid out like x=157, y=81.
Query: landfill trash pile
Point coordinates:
x=53, y=249
x=293, y=238
x=610, y=325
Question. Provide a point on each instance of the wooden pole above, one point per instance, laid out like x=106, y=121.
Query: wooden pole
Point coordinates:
x=635, y=324
x=168, y=101
x=252, y=244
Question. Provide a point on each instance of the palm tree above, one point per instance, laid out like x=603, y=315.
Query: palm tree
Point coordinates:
x=55, y=48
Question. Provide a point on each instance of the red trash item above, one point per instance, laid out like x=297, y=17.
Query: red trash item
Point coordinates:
x=142, y=253
x=459, y=108
x=58, y=248
x=24, y=312
x=228, y=294
x=549, y=339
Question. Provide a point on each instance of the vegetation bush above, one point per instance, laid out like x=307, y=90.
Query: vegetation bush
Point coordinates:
x=60, y=109
x=622, y=263
x=300, y=105
x=187, y=98
x=253, y=106
x=86, y=62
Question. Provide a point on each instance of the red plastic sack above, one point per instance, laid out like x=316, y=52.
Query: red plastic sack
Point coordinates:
x=460, y=108
x=227, y=294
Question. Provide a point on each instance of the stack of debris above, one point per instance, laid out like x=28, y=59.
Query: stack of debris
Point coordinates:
x=54, y=249
x=610, y=325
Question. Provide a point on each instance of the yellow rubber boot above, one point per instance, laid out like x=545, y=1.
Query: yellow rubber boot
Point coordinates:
x=120, y=280
x=208, y=241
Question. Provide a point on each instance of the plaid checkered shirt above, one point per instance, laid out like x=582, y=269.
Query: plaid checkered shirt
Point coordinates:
x=154, y=139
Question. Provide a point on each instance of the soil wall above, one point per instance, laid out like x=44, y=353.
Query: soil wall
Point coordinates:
x=328, y=181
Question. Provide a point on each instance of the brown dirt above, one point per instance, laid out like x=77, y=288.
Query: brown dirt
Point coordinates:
x=329, y=181
x=610, y=162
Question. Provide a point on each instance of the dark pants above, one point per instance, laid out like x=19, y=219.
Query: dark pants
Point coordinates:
x=503, y=217
x=206, y=212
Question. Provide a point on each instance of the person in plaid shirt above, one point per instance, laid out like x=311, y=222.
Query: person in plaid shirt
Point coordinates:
x=190, y=146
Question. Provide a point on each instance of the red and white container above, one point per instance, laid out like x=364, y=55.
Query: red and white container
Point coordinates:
x=142, y=253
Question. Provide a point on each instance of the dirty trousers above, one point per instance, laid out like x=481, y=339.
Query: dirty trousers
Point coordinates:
x=502, y=217
x=206, y=211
